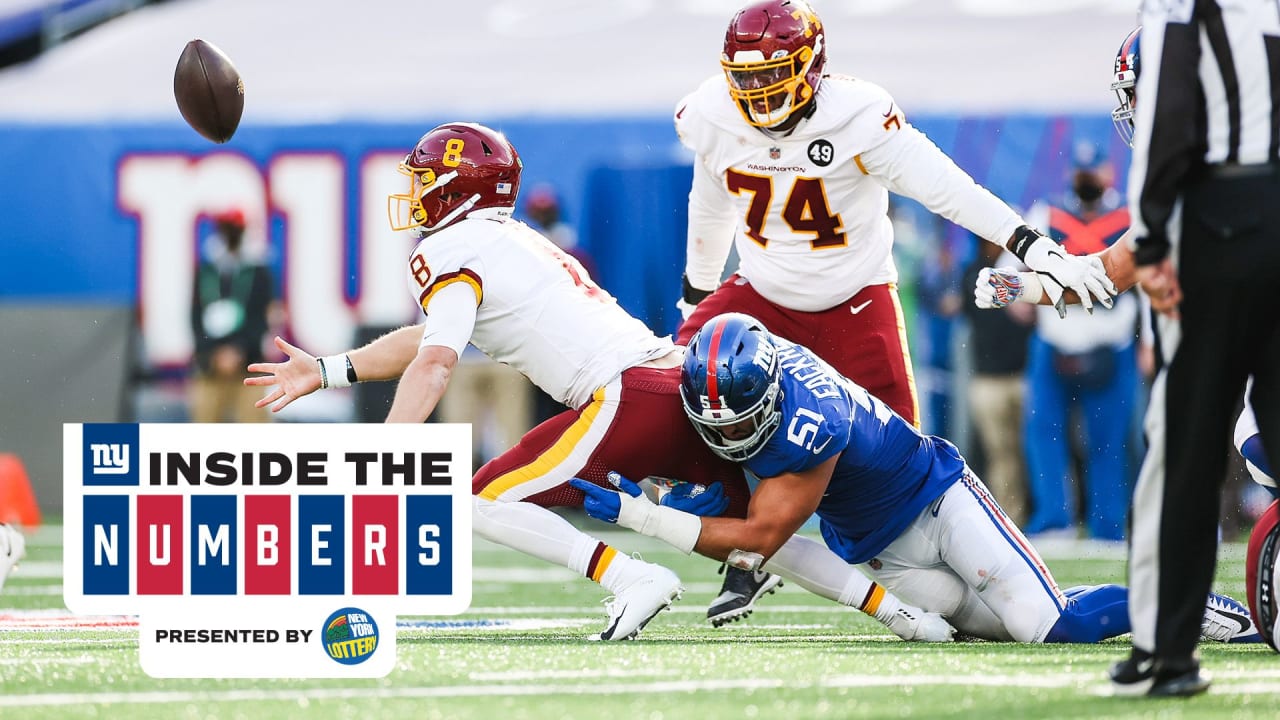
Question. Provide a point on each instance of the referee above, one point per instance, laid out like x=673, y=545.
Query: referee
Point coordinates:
x=1204, y=196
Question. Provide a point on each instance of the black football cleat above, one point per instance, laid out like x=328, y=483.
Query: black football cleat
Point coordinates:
x=1142, y=674
x=739, y=593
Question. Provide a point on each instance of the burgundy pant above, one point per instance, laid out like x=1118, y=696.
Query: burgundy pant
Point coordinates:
x=868, y=346
x=635, y=425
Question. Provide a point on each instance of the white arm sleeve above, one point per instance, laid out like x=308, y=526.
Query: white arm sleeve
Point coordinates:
x=451, y=316
x=1247, y=423
x=711, y=227
x=909, y=164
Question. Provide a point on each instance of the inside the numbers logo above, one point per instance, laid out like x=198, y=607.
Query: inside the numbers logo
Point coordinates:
x=821, y=152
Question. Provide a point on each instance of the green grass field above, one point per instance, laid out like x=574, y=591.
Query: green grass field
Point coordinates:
x=523, y=653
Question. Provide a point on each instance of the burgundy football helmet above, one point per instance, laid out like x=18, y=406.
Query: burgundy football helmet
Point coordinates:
x=774, y=56
x=454, y=170
x=1124, y=83
x=1260, y=574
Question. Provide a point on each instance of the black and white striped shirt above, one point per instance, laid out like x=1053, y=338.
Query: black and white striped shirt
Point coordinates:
x=1209, y=95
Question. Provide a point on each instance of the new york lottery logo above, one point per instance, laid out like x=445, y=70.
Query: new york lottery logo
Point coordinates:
x=350, y=636
x=261, y=528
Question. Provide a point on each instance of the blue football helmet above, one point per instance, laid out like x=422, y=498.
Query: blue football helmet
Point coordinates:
x=1125, y=82
x=731, y=385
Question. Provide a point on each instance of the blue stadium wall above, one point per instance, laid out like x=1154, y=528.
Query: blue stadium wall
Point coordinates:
x=73, y=233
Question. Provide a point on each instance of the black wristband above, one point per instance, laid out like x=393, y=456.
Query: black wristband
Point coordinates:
x=351, y=371
x=691, y=294
x=1023, y=238
x=324, y=374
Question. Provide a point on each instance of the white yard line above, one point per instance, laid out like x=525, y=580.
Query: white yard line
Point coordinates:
x=1089, y=682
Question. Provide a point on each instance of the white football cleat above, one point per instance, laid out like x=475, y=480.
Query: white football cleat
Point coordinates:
x=13, y=546
x=651, y=591
x=1228, y=620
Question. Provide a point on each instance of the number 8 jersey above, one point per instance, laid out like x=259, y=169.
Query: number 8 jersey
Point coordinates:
x=808, y=210
x=522, y=301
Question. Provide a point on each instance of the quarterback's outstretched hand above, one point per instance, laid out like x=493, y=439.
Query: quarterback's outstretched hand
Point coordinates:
x=696, y=499
x=297, y=376
x=1060, y=271
x=913, y=624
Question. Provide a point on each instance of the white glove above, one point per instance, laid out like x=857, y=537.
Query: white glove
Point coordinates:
x=686, y=308
x=1001, y=287
x=911, y=623
x=1060, y=271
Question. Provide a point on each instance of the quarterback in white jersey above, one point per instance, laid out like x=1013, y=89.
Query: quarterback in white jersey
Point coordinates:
x=793, y=168
x=483, y=278
x=541, y=313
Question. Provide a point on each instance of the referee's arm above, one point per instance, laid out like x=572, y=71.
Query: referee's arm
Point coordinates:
x=1167, y=116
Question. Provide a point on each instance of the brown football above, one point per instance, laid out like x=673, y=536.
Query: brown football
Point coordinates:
x=209, y=91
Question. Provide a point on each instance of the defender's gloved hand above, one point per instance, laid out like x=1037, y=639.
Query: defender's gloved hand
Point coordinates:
x=703, y=500
x=631, y=508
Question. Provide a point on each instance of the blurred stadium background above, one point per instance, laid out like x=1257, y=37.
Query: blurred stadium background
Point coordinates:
x=108, y=196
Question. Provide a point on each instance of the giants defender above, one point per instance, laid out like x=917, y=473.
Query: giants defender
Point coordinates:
x=793, y=168
x=1227, y=620
x=486, y=279
x=902, y=506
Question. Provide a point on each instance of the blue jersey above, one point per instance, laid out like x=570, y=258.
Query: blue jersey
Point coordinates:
x=888, y=472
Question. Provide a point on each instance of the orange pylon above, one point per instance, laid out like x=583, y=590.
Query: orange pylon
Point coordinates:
x=17, y=501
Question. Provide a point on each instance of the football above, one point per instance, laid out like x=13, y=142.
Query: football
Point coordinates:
x=209, y=91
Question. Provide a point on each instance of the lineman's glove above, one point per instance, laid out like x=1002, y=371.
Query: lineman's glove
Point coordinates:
x=1060, y=271
x=1001, y=287
x=690, y=296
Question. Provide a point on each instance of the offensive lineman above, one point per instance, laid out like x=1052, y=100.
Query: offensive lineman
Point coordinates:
x=793, y=168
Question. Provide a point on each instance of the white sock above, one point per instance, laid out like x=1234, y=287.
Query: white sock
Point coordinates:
x=813, y=566
x=536, y=531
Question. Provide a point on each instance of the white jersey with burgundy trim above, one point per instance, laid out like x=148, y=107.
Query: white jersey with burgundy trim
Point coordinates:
x=536, y=309
x=808, y=212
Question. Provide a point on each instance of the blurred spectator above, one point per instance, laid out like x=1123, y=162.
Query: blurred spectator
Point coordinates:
x=542, y=207
x=941, y=296
x=1084, y=363
x=998, y=343
x=230, y=311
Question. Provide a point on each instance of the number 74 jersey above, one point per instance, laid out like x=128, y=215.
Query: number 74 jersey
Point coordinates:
x=811, y=227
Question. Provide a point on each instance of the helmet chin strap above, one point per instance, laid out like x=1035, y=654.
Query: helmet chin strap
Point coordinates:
x=459, y=211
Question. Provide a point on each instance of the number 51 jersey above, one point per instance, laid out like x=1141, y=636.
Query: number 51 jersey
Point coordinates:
x=537, y=310
x=888, y=472
x=812, y=226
